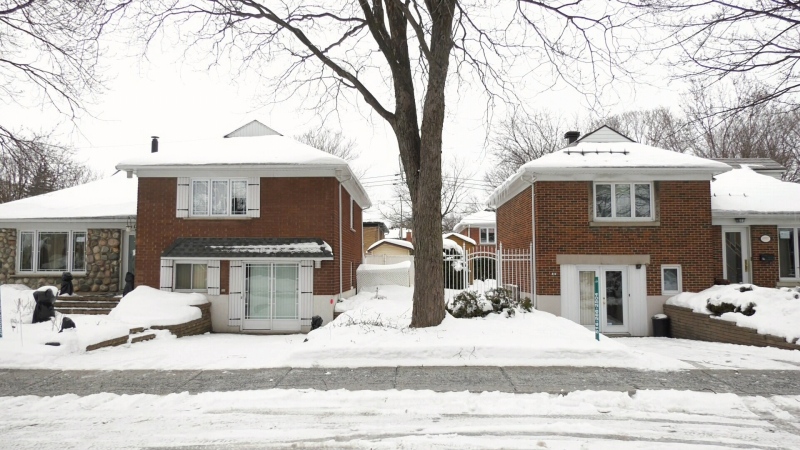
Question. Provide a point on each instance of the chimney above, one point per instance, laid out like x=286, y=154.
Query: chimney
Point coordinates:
x=572, y=136
x=154, y=144
x=408, y=236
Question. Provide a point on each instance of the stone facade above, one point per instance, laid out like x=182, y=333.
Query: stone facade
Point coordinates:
x=103, y=263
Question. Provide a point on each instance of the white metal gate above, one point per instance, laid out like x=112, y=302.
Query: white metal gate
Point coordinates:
x=488, y=267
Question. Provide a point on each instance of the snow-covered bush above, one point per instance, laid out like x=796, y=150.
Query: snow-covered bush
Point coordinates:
x=469, y=303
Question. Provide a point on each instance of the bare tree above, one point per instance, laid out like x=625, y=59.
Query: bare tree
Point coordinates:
x=458, y=197
x=331, y=142
x=522, y=138
x=53, y=169
x=658, y=127
x=720, y=39
x=49, y=53
x=397, y=55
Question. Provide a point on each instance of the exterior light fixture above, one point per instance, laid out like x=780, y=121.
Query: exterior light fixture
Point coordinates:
x=739, y=220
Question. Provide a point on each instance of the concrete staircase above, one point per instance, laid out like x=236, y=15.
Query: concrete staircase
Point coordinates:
x=86, y=304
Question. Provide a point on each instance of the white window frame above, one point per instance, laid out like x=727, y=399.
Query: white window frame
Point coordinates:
x=177, y=263
x=35, y=253
x=632, y=187
x=795, y=230
x=210, y=190
x=487, y=240
x=664, y=267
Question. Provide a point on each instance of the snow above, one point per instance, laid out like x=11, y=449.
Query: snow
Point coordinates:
x=447, y=244
x=480, y=218
x=299, y=247
x=777, y=310
x=744, y=191
x=466, y=239
x=255, y=150
x=146, y=307
x=112, y=197
x=415, y=419
x=397, y=242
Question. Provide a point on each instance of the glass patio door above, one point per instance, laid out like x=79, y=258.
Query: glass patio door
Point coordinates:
x=735, y=255
x=272, y=299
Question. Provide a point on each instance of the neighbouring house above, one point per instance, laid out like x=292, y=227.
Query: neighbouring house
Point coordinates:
x=463, y=241
x=756, y=228
x=391, y=247
x=88, y=230
x=480, y=226
x=374, y=231
x=267, y=227
x=636, y=217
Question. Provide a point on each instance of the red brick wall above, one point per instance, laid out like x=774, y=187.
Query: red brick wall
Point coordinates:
x=290, y=207
x=514, y=222
x=563, y=213
x=764, y=273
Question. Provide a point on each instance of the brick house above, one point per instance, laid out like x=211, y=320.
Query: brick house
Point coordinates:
x=638, y=218
x=374, y=231
x=480, y=226
x=267, y=227
x=87, y=230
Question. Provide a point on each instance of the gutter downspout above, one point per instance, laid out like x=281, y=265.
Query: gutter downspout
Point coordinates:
x=341, y=179
x=535, y=299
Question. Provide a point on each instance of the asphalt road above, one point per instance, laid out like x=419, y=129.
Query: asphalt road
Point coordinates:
x=441, y=379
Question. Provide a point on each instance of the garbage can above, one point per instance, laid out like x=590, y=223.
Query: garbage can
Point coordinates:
x=661, y=326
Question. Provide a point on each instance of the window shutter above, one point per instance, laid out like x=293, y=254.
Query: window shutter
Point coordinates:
x=236, y=294
x=166, y=274
x=213, y=277
x=306, y=292
x=182, y=202
x=254, y=197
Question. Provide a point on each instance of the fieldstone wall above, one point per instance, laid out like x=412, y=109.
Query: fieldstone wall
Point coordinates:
x=103, y=263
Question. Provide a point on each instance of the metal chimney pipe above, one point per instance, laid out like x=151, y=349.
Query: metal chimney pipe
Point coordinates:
x=572, y=136
x=154, y=144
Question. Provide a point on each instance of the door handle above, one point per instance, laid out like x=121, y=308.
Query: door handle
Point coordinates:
x=747, y=265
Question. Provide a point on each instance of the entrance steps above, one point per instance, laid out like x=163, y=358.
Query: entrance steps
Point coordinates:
x=86, y=304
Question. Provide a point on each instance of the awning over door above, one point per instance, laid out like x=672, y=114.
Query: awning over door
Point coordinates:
x=246, y=248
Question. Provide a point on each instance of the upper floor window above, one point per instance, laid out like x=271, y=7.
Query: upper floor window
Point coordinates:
x=487, y=236
x=788, y=254
x=623, y=201
x=52, y=251
x=219, y=197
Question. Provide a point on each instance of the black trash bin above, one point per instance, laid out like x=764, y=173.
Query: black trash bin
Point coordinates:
x=661, y=326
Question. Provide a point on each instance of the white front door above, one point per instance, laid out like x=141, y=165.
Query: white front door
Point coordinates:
x=271, y=297
x=613, y=290
x=736, y=255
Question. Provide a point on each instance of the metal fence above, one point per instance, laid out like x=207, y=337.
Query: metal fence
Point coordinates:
x=483, y=268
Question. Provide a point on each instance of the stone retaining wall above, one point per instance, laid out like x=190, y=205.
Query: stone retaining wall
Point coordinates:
x=195, y=327
x=103, y=263
x=687, y=324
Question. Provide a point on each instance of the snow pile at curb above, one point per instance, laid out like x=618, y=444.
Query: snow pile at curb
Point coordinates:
x=146, y=307
x=777, y=311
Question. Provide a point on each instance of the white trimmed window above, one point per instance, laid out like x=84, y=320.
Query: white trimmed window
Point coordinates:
x=51, y=251
x=191, y=277
x=487, y=236
x=623, y=201
x=788, y=253
x=218, y=197
x=671, y=283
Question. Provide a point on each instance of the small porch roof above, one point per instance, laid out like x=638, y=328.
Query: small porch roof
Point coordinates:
x=249, y=248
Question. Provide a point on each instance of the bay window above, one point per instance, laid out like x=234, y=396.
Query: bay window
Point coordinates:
x=52, y=251
x=623, y=201
x=219, y=197
x=788, y=254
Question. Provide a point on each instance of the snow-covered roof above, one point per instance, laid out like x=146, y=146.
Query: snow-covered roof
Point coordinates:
x=265, y=155
x=466, y=239
x=609, y=160
x=233, y=247
x=447, y=244
x=742, y=192
x=480, y=218
x=397, y=242
x=112, y=198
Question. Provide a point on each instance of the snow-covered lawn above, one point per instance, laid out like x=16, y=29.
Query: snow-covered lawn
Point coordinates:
x=374, y=332
x=777, y=311
x=402, y=419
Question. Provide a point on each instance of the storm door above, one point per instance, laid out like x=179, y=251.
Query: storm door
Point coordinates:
x=271, y=300
x=735, y=255
x=613, y=294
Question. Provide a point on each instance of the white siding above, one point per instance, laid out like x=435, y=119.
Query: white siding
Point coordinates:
x=182, y=200
x=254, y=197
x=254, y=128
x=166, y=274
x=605, y=134
x=213, y=277
x=570, y=293
x=306, y=292
x=637, y=301
x=236, y=294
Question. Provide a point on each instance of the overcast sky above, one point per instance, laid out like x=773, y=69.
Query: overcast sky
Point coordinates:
x=182, y=100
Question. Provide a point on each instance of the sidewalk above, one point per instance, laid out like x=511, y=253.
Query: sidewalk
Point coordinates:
x=440, y=379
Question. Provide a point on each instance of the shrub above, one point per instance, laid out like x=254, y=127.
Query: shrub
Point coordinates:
x=466, y=305
x=725, y=307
